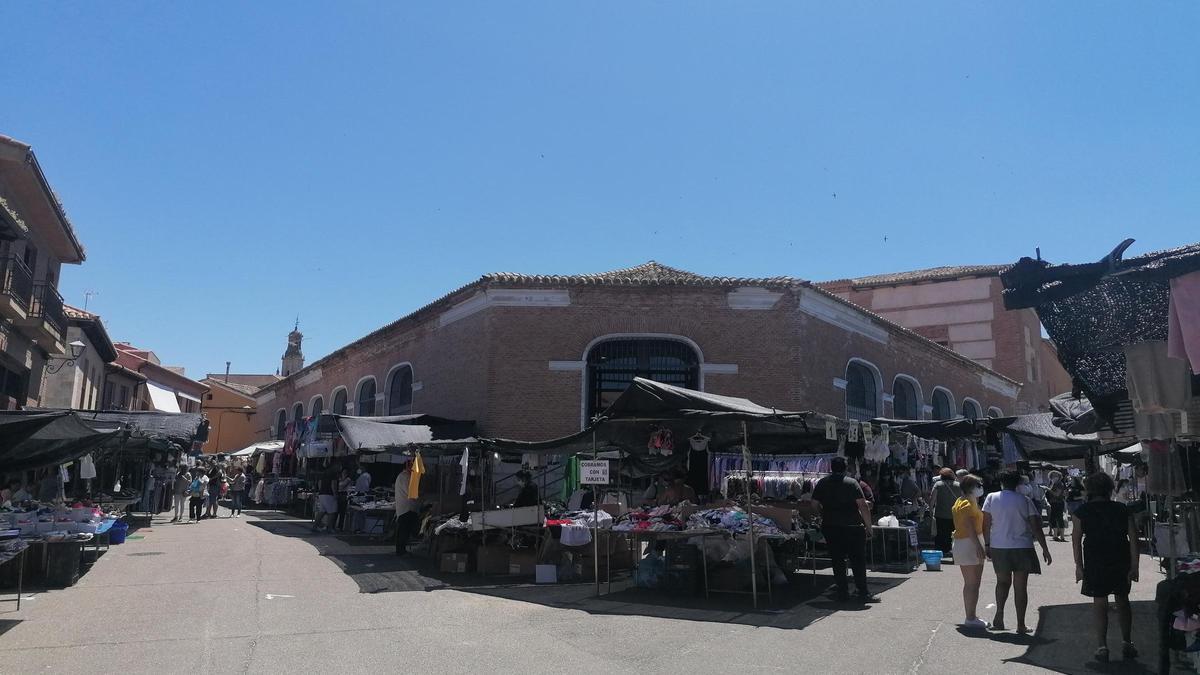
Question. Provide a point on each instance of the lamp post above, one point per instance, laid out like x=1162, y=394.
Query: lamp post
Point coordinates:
x=77, y=349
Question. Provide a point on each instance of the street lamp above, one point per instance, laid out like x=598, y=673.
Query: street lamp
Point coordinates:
x=77, y=349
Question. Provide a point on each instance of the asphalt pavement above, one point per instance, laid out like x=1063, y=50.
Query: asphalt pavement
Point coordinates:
x=262, y=594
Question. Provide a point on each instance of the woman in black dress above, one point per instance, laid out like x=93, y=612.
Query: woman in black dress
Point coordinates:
x=1104, y=540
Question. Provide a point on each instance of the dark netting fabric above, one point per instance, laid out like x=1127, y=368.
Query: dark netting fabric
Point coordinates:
x=1092, y=311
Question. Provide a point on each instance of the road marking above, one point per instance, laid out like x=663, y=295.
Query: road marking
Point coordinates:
x=272, y=596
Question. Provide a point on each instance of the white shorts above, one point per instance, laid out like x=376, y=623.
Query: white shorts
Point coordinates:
x=965, y=552
x=328, y=503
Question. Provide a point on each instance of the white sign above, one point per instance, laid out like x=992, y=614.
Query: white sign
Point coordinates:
x=868, y=432
x=830, y=429
x=852, y=431
x=885, y=432
x=593, y=472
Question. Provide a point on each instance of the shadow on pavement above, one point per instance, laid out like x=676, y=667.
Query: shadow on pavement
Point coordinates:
x=1063, y=642
x=376, y=569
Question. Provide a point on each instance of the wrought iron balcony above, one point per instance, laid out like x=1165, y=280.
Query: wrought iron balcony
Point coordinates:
x=48, y=305
x=16, y=281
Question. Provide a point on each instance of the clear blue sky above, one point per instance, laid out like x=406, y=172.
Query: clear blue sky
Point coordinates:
x=232, y=165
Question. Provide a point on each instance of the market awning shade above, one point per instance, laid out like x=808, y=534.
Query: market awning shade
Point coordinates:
x=377, y=434
x=36, y=440
x=941, y=430
x=162, y=397
x=152, y=427
x=647, y=399
x=1041, y=440
x=265, y=446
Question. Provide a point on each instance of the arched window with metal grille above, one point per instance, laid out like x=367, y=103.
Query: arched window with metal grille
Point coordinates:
x=906, y=400
x=297, y=412
x=339, y=402
x=943, y=406
x=862, y=392
x=280, y=424
x=612, y=365
x=318, y=406
x=400, y=393
x=366, y=398
x=970, y=409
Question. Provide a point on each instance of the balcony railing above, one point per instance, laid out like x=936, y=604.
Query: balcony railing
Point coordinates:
x=16, y=281
x=48, y=304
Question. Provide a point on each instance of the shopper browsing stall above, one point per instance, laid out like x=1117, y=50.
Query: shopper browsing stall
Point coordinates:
x=406, y=510
x=1010, y=526
x=1104, y=543
x=946, y=491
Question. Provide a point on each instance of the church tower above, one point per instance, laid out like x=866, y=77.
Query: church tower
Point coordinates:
x=293, y=358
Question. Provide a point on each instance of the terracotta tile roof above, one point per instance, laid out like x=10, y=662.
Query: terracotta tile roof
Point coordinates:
x=254, y=381
x=648, y=274
x=915, y=276
x=245, y=389
x=76, y=313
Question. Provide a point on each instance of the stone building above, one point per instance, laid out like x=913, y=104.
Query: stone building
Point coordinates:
x=533, y=356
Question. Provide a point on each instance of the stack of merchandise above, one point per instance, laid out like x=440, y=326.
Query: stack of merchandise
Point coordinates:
x=733, y=520
x=658, y=519
x=577, y=526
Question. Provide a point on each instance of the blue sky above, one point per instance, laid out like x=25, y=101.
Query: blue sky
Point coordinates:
x=232, y=165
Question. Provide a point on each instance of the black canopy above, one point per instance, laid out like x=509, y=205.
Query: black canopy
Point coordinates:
x=32, y=440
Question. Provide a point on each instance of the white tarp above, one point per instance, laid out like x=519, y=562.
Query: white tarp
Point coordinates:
x=162, y=397
x=265, y=446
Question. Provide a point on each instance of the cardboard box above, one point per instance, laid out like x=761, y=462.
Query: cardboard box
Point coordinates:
x=546, y=574
x=455, y=563
x=522, y=563
x=491, y=560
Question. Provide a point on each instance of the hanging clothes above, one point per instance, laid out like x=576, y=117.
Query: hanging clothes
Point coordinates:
x=1183, y=319
x=87, y=468
x=417, y=469
x=464, y=465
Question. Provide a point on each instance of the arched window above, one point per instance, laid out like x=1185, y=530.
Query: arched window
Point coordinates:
x=366, y=398
x=318, y=406
x=943, y=408
x=280, y=424
x=970, y=409
x=862, y=394
x=339, y=402
x=400, y=394
x=297, y=412
x=995, y=412
x=906, y=402
x=612, y=365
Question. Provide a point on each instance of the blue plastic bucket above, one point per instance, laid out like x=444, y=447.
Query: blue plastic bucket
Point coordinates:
x=116, y=534
x=933, y=560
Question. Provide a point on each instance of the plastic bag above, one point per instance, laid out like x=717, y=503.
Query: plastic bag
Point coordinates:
x=889, y=521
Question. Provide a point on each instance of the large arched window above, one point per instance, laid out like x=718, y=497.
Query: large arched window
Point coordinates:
x=339, y=402
x=366, y=398
x=906, y=400
x=280, y=424
x=400, y=394
x=612, y=365
x=970, y=409
x=297, y=412
x=943, y=407
x=995, y=412
x=317, y=406
x=862, y=392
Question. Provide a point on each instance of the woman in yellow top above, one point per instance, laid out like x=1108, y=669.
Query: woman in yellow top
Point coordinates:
x=968, y=548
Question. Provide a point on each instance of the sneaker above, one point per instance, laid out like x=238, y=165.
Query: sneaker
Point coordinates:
x=867, y=598
x=976, y=624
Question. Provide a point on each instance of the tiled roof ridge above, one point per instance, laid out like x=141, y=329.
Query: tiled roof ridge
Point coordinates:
x=650, y=273
x=927, y=274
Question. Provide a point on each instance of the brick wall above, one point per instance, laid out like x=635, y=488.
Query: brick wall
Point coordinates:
x=494, y=366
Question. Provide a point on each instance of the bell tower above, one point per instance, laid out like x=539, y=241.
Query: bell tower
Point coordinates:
x=293, y=358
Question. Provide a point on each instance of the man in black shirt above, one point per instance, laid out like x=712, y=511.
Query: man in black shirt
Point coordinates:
x=846, y=524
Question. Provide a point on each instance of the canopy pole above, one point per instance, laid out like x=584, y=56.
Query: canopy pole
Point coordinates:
x=595, y=525
x=749, y=513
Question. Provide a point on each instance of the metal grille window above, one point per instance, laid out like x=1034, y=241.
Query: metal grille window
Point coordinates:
x=399, y=400
x=941, y=405
x=995, y=412
x=297, y=412
x=339, y=402
x=613, y=364
x=906, y=405
x=366, y=399
x=317, y=405
x=862, y=396
x=970, y=410
x=280, y=424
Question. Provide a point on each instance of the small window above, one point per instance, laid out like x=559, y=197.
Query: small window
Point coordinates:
x=297, y=412
x=862, y=395
x=366, y=398
x=339, y=402
x=995, y=412
x=317, y=406
x=942, y=408
x=906, y=404
x=970, y=410
x=280, y=425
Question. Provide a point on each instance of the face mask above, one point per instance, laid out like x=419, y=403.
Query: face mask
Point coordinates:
x=1024, y=490
x=976, y=493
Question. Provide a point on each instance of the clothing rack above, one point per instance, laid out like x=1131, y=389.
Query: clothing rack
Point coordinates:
x=793, y=477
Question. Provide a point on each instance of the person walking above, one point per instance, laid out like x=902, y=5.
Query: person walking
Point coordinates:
x=846, y=525
x=1010, y=526
x=199, y=493
x=968, y=547
x=326, y=500
x=1104, y=542
x=237, y=491
x=216, y=478
x=1056, y=498
x=406, y=511
x=945, y=493
x=183, y=482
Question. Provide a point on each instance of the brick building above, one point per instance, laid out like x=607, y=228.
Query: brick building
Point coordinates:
x=564, y=346
x=962, y=308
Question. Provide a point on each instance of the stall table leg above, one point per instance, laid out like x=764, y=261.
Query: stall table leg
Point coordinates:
x=704, y=563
